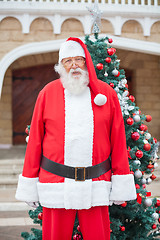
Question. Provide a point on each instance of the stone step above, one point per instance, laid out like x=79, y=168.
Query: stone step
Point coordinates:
x=8, y=183
x=8, y=172
x=11, y=162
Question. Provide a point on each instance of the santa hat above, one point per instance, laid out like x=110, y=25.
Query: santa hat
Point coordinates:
x=75, y=47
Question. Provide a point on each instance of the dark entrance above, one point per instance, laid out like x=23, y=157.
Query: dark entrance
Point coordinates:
x=27, y=83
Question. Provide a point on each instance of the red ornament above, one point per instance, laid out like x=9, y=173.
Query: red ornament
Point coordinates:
x=148, y=194
x=150, y=166
x=122, y=228
x=155, y=140
x=128, y=151
x=144, y=186
x=139, y=154
x=124, y=204
x=139, y=198
x=132, y=98
x=111, y=51
x=148, y=118
x=40, y=216
x=154, y=226
x=135, y=136
x=75, y=237
x=111, y=84
x=137, y=186
x=143, y=127
x=26, y=130
x=147, y=147
x=157, y=203
x=99, y=66
x=110, y=40
x=130, y=121
x=78, y=228
x=117, y=74
x=131, y=172
x=159, y=220
x=153, y=177
x=126, y=85
x=108, y=60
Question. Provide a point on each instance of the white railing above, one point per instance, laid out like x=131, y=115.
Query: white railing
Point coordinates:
x=109, y=2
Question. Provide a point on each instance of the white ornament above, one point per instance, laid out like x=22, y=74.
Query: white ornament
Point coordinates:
x=138, y=174
x=155, y=165
x=137, y=162
x=148, y=202
x=136, y=118
x=137, y=112
x=147, y=135
x=27, y=138
x=106, y=74
x=155, y=216
x=143, y=181
x=148, y=181
x=145, y=141
x=115, y=72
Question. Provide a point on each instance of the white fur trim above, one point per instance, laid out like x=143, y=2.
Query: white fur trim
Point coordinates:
x=78, y=146
x=100, y=99
x=70, y=49
x=52, y=195
x=123, y=188
x=27, y=189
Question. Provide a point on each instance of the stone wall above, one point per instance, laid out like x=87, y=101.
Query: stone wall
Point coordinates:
x=145, y=67
x=6, y=110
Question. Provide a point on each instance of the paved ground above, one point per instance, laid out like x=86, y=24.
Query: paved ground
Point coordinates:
x=14, y=217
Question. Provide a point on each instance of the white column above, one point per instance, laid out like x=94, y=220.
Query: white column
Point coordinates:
x=146, y=26
x=117, y=25
x=25, y=21
x=87, y=24
x=57, y=24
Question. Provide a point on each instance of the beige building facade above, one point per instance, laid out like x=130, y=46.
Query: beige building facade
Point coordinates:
x=143, y=66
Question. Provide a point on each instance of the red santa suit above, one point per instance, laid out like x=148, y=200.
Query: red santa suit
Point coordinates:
x=73, y=130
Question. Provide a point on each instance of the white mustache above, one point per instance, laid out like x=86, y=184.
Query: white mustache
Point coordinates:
x=76, y=70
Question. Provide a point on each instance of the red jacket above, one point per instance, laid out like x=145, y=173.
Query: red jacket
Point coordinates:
x=72, y=130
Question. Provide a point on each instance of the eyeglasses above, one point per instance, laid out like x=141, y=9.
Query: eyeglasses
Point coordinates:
x=68, y=62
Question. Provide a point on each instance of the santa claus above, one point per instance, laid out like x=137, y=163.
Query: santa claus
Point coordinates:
x=76, y=159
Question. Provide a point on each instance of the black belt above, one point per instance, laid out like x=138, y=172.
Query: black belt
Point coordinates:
x=77, y=173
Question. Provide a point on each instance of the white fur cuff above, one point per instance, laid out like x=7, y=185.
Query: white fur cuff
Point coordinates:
x=27, y=189
x=123, y=188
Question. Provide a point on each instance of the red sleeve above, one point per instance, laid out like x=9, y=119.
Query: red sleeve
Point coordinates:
x=34, y=146
x=119, y=156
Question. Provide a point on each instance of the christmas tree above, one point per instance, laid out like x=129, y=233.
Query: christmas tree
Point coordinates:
x=138, y=219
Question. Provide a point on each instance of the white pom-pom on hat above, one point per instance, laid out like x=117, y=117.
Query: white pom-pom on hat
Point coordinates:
x=100, y=99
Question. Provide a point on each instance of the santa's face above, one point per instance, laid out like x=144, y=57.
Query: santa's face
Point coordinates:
x=73, y=73
x=72, y=64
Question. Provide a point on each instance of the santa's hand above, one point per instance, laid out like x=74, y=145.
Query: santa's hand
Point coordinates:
x=115, y=202
x=33, y=204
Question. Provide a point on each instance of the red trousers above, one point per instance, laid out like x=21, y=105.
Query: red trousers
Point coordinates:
x=58, y=223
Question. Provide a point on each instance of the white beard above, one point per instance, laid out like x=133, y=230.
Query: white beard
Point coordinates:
x=74, y=84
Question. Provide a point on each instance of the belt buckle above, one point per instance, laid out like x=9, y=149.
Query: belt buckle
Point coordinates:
x=76, y=174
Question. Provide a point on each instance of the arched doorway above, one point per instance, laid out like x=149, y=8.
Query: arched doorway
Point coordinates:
x=26, y=84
